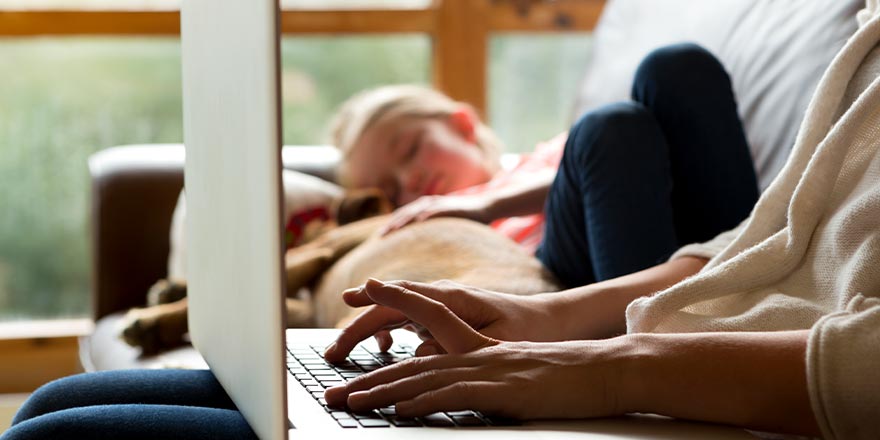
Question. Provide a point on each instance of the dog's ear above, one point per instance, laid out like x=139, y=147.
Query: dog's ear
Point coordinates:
x=360, y=204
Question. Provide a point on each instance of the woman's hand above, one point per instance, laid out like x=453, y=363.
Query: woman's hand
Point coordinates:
x=496, y=315
x=522, y=380
x=474, y=207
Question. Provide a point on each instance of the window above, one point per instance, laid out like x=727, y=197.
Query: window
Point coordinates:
x=66, y=97
x=71, y=97
x=537, y=102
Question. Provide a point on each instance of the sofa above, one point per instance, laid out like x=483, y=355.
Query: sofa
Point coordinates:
x=775, y=52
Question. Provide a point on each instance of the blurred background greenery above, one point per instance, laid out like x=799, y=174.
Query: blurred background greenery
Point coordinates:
x=62, y=99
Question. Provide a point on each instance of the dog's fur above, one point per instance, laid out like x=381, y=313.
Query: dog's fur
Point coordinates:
x=343, y=257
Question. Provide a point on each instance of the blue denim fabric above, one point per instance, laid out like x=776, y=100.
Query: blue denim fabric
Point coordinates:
x=131, y=404
x=640, y=179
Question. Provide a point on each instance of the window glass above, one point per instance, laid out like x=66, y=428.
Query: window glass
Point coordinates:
x=533, y=82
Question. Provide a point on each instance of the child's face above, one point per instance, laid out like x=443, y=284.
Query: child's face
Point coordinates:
x=413, y=157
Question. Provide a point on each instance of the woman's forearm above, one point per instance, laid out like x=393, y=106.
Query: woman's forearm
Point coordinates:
x=755, y=380
x=598, y=310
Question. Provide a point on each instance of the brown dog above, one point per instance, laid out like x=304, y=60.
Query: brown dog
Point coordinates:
x=346, y=256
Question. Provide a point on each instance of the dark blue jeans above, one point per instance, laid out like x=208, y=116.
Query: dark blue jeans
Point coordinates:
x=131, y=404
x=640, y=179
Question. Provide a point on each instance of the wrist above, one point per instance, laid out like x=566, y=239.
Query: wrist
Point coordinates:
x=626, y=361
x=588, y=312
x=638, y=353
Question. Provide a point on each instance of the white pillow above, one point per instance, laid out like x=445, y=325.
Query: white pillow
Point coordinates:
x=302, y=193
x=774, y=50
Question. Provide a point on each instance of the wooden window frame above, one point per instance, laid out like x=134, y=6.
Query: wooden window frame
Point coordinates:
x=34, y=352
x=459, y=29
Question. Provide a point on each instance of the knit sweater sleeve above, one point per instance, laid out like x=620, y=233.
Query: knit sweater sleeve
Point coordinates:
x=711, y=248
x=843, y=358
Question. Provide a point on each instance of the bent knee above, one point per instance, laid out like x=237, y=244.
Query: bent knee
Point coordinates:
x=613, y=132
x=678, y=64
x=51, y=397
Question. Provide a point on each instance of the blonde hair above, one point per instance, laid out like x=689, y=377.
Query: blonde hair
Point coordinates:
x=388, y=103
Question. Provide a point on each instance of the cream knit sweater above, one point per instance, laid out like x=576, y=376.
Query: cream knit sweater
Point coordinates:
x=808, y=257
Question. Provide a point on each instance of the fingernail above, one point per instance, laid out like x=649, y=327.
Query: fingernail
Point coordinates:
x=353, y=290
x=330, y=349
x=375, y=281
x=355, y=399
x=332, y=394
x=429, y=351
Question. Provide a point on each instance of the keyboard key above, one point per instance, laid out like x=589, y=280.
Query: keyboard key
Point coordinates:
x=345, y=364
x=367, y=415
x=347, y=423
x=351, y=375
x=340, y=415
x=388, y=411
x=332, y=384
x=374, y=423
x=436, y=419
x=311, y=388
x=317, y=367
x=404, y=422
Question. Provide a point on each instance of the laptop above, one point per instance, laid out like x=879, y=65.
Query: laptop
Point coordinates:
x=232, y=133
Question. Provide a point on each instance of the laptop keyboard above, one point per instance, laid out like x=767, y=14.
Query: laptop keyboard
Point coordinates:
x=306, y=364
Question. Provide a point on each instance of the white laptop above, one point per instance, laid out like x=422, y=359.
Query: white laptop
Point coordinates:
x=233, y=183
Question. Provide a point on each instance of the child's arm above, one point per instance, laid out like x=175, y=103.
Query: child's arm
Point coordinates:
x=519, y=199
x=523, y=199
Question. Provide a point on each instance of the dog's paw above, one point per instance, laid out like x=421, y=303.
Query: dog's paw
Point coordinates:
x=165, y=291
x=152, y=330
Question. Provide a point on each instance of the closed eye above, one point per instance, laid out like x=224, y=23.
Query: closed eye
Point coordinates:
x=413, y=148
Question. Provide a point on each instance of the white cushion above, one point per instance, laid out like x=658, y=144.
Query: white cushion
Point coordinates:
x=774, y=50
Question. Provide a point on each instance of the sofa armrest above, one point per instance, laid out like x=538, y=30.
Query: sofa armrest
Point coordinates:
x=134, y=192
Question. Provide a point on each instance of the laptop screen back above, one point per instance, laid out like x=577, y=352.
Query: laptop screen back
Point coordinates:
x=234, y=233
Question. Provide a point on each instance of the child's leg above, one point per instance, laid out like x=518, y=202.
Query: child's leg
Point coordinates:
x=130, y=401
x=608, y=211
x=640, y=179
x=690, y=95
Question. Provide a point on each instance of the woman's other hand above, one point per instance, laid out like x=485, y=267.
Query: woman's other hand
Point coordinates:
x=568, y=379
x=497, y=315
